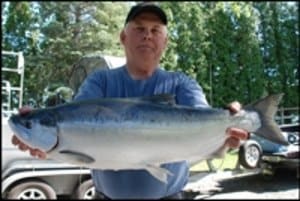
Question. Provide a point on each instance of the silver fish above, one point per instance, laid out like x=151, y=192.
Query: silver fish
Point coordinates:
x=139, y=133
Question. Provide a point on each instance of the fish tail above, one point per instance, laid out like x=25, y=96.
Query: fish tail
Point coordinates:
x=267, y=108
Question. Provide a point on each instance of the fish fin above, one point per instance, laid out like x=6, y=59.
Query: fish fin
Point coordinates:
x=267, y=108
x=77, y=156
x=158, y=172
x=167, y=99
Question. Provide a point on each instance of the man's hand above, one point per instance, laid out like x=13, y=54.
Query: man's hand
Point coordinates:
x=23, y=147
x=235, y=134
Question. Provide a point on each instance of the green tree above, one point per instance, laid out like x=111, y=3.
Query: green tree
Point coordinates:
x=18, y=28
x=234, y=54
x=62, y=33
x=216, y=43
x=279, y=33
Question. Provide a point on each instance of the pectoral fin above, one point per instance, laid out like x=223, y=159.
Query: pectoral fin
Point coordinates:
x=77, y=156
x=158, y=172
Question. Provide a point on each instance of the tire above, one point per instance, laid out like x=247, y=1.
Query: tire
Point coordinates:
x=250, y=154
x=86, y=190
x=34, y=190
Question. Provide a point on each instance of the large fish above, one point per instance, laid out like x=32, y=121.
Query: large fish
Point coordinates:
x=139, y=133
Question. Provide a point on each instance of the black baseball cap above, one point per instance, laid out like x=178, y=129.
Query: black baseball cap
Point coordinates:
x=146, y=7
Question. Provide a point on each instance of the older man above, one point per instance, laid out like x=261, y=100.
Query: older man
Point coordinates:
x=144, y=38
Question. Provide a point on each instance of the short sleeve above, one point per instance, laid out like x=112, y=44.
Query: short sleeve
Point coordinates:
x=190, y=93
x=92, y=86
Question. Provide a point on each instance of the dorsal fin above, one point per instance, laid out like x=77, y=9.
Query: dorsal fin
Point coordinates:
x=167, y=99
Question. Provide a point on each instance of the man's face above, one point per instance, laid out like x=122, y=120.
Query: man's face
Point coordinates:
x=144, y=38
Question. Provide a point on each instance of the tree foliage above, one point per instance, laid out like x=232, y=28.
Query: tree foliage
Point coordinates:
x=62, y=33
x=235, y=50
x=234, y=53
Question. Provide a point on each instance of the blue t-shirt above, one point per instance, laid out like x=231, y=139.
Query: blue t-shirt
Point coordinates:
x=133, y=184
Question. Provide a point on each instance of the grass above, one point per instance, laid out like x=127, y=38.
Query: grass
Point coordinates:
x=228, y=162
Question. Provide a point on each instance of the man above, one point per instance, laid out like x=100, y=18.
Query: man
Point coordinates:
x=144, y=38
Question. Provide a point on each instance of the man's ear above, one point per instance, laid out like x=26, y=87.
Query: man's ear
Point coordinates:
x=122, y=36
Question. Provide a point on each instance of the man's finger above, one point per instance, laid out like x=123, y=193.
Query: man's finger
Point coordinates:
x=23, y=147
x=24, y=110
x=234, y=107
x=42, y=155
x=37, y=153
x=15, y=140
x=232, y=142
x=238, y=133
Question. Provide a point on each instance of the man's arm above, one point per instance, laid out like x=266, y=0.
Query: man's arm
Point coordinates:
x=190, y=93
x=91, y=87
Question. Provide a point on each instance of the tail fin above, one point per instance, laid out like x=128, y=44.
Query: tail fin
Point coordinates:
x=267, y=108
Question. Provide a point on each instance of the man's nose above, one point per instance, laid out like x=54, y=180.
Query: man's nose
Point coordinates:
x=147, y=34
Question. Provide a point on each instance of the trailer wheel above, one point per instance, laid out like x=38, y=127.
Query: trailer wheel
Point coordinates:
x=34, y=190
x=86, y=190
x=250, y=154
